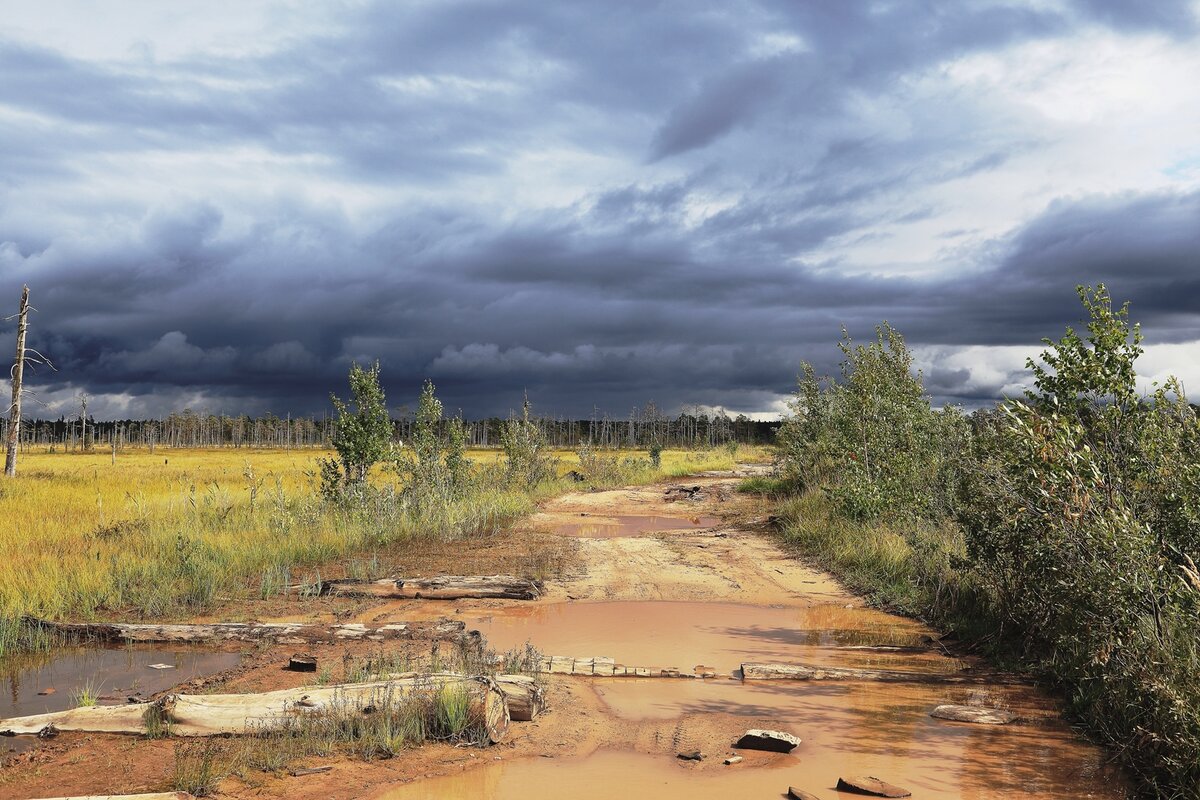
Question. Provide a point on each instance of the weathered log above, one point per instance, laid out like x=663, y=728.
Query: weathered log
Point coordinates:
x=227, y=714
x=975, y=714
x=804, y=672
x=800, y=794
x=524, y=696
x=283, y=632
x=151, y=796
x=445, y=587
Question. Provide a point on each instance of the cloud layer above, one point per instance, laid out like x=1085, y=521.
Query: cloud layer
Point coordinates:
x=224, y=207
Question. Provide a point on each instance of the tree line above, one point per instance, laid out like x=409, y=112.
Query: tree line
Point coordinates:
x=643, y=427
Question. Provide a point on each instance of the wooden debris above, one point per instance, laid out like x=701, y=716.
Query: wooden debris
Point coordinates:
x=151, y=796
x=804, y=672
x=603, y=667
x=730, y=760
x=975, y=714
x=684, y=493
x=690, y=755
x=524, y=696
x=771, y=741
x=302, y=662
x=230, y=714
x=283, y=632
x=446, y=587
x=301, y=772
x=872, y=786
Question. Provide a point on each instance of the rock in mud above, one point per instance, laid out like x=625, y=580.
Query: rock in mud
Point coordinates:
x=872, y=786
x=690, y=755
x=771, y=741
x=799, y=794
x=975, y=714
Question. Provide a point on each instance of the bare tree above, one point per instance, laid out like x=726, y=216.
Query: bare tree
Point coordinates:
x=18, y=376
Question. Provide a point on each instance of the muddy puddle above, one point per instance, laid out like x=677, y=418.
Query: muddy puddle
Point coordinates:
x=57, y=681
x=941, y=774
x=719, y=635
x=624, y=525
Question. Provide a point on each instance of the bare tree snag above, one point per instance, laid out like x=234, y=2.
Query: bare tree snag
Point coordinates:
x=445, y=587
x=18, y=377
x=282, y=632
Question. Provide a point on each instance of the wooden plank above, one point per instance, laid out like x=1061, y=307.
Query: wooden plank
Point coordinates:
x=804, y=672
x=444, y=587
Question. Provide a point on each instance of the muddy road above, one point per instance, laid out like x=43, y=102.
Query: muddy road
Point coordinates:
x=666, y=579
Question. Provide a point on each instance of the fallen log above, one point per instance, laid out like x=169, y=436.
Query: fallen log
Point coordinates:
x=151, y=796
x=524, y=697
x=446, y=587
x=804, y=672
x=230, y=714
x=282, y=632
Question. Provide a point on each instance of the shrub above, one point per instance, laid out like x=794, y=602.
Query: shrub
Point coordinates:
x=363, y=436
x=527, y=456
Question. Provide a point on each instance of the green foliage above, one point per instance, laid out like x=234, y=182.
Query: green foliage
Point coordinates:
x=434, y=464
x=872, y=438
x=363, y=436
x=1062, y=527
x=1082, y=517
x=528, y=458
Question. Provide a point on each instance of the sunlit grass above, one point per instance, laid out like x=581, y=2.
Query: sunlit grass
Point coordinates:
x=179, y=530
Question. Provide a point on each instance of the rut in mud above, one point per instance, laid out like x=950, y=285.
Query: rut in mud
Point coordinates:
x=689, y=580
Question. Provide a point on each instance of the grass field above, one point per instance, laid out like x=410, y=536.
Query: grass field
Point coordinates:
x=177, y=531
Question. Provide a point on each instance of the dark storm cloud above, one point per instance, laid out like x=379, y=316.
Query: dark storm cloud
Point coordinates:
x=743, y=148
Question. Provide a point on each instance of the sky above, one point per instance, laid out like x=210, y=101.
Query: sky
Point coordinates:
x=221, y=205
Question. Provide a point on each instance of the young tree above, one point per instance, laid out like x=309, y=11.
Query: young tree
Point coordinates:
x=363, y=436
x=435, y=462
x=524, y=446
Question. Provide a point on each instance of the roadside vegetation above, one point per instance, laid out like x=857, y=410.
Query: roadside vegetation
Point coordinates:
x=175, y=533
x=1058, y=530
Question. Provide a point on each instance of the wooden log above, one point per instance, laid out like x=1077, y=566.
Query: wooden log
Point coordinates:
x=283, y=632
x=445, y=587
x=229, y=714
x=524, y=696
x=150, y=796
x=804, y=672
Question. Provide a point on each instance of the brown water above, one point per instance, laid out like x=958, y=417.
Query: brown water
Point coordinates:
x=851, y=728
x=719, y=635
x=1007, y=772
x=112, y=673
x=622, y=525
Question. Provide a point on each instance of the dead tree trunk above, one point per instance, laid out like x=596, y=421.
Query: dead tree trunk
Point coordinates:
x=18, y=376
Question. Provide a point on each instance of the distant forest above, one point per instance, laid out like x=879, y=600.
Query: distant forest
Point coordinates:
x=643, y=427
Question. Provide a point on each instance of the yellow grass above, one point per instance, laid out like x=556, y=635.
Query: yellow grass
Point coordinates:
x=164, y=533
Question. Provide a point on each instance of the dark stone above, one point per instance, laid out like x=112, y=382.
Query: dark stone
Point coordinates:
x=694, y=755
x=771, y=741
